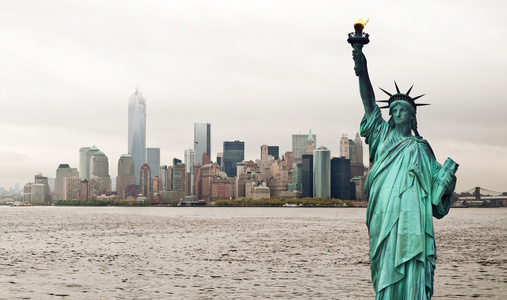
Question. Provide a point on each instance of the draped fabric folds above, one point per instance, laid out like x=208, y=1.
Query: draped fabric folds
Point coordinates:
x=400, y=210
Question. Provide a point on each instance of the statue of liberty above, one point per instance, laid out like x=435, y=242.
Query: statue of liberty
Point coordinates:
x=406, y=187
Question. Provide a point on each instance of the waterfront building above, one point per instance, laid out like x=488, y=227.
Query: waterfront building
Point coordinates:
x=38, y=193
x=221, y=188
x=63, y=171
x=202, y=142
x=98, y=186
x=260, y=192
x=299, y=144
x=153, y=160
x=307, y=175
x=145, y=177
x=126, y=174
x=234, y=152
x=322, y=172
x=40, y=179
x=296, y=180
x=100, y=168
x=75, y=188
x=137, y=131
x=340, y=178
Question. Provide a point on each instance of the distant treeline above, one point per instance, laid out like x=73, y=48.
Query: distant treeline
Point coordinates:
x=306, y=202
x=269, y=202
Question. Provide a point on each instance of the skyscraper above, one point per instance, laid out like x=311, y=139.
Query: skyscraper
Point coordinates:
x=299, y=145
x=307, y=176
x=340, y=178
x=126, y=174
x=63, y=171
x=153, y=160
x=202, y=141
x=234, y=152
x=100, y=168
x=189, y=164
x=322, y=172
x=145, y=176
x=137, y=131
x=85, y=156
x=84, y=161
x=359, y=150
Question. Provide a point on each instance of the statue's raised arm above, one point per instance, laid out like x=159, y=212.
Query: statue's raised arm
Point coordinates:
x=365, y=87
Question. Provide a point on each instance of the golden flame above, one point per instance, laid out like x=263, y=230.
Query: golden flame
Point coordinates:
x=359, y=24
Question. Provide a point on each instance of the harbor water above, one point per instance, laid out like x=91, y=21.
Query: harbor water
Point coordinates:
x=229, y=253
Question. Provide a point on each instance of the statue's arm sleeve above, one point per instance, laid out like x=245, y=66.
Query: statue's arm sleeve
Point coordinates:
x=375, y=129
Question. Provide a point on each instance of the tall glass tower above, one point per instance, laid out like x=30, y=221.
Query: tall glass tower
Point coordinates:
x=234, y=152
x=322, y=173
x=137, y=131
x=202, y=141
x=153, y=160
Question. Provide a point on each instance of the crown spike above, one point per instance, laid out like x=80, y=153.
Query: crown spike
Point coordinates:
x=389, y=94
x=410, y=89
x=415, y=98
x=397, y=89
x=422, y=104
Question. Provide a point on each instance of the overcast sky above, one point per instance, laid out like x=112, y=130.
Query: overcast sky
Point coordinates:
x=258, y=71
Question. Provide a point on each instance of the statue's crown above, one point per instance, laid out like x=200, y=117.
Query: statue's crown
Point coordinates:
x=401, y=97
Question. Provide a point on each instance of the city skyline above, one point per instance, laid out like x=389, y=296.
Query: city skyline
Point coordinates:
x=256, y=71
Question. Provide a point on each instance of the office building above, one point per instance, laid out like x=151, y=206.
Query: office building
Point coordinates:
x=234, y=152
x=163, y=177
x=43, y=180
x=322, y=173
x=274, y=151
x=307, y=175
x=126, y=175
x=137, y=131
x=145, y=176
x=299, y=144
x=63, y=171
x=85, y=156
x=189, y=161
x=340, y=178
x=153, y=160
x=202, y=141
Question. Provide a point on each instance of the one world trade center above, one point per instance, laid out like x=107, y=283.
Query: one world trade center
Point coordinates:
x=137, y=131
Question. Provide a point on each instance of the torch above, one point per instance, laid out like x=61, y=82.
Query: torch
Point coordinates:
x=359, y=38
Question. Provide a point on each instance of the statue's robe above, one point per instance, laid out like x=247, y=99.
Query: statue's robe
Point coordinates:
x=399, y=188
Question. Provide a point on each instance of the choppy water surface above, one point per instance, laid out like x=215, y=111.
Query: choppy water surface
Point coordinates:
x=228, y=253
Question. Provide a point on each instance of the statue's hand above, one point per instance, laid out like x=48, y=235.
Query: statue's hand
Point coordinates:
x=448, y=181
x=360, y=61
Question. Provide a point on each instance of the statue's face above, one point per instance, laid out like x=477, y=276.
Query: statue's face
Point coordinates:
x=401, y=115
